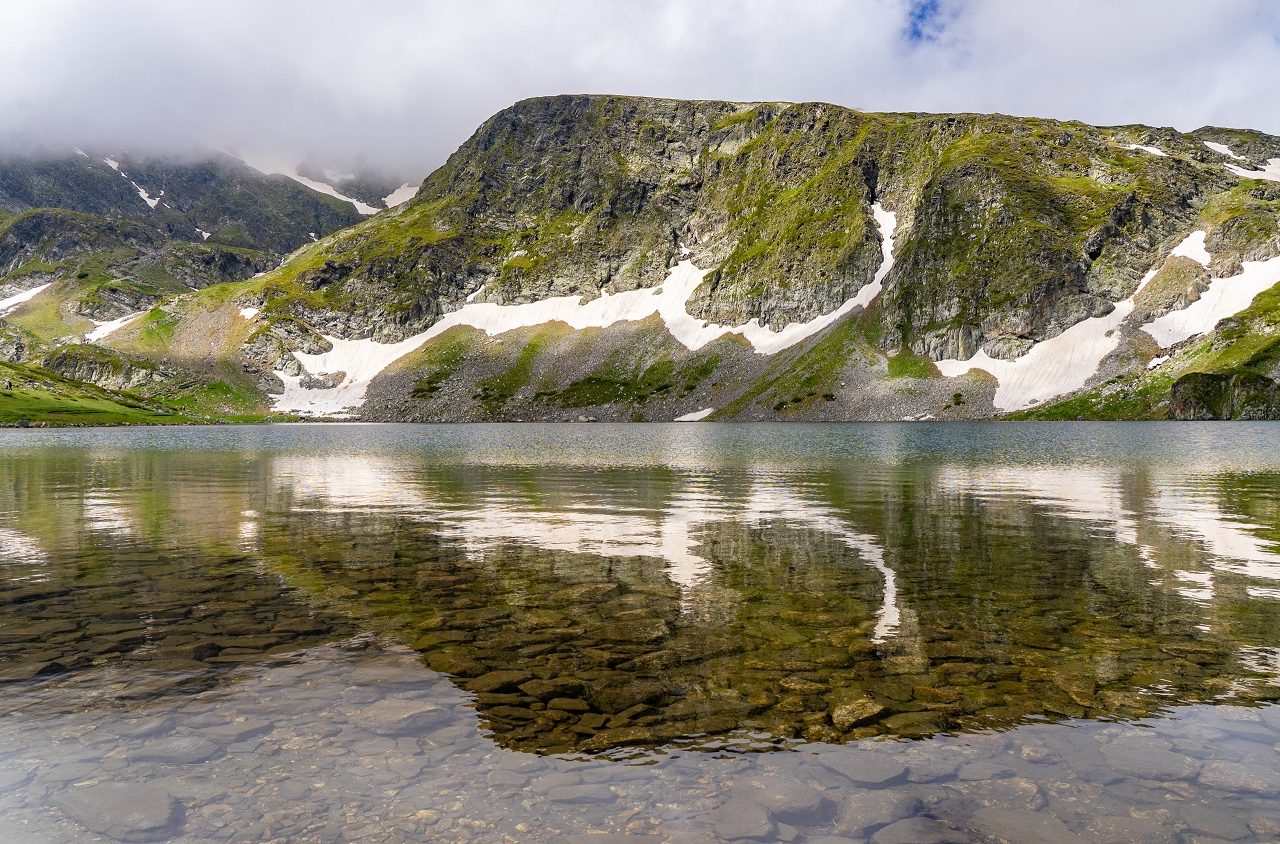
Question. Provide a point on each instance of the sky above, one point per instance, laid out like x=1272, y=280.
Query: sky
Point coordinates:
x=397, y=85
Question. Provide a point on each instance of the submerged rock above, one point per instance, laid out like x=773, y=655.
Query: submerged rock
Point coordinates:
x=130, y=812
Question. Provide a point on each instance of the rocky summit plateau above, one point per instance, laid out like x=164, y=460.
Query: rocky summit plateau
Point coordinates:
x=622, y=258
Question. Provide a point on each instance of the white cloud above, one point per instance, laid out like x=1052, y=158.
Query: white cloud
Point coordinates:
x=403, y=83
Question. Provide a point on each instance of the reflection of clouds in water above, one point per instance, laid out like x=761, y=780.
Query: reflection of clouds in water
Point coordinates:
x=668, y=534
x=17, y=547
x=1097, y=495
x=105, y=514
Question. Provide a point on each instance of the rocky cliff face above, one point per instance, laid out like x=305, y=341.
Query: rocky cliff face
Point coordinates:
x=1206, y=395
x=1007, y=235
x=1011, y=229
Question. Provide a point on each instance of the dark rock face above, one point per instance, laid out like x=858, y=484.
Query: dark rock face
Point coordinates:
x=1203, y=395
x=94, y=365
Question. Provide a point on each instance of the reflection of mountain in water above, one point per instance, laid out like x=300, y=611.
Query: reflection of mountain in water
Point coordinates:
x=594, y=609
x=597, y=608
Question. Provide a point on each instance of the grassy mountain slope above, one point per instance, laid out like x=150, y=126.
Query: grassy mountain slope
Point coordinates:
x=1009, y=232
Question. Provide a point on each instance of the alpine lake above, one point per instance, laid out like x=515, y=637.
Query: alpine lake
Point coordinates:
x=899, y=633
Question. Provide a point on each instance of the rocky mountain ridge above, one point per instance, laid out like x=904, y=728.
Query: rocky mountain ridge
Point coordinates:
x=848, y=265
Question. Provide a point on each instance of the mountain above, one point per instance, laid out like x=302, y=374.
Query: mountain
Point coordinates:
x=629, y=258
x=89, y=242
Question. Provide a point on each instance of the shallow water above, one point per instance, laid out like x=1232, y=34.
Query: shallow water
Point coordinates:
x=692, y=632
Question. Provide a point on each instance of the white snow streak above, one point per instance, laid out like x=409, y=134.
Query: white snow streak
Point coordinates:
x=1063, y=363
x=696, y=415
x=1269, y=172
x=1223, y=149
x=361, y=360
x=112, y=163
x=204, y=235
x=1225, y=297
x=400, y=195
x=103, y=329
x=10, y=304
x=1152, y=150
x=320, y=187
x=146, y=197
x=80, y=152
x=1193, y=247
x=248, y=313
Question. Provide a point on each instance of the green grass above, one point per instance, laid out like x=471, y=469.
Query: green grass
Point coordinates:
x=43, y=398
x=441, y=357
x=620, y=381
x=493, y=393
x=1125, y=398
x=907, y=364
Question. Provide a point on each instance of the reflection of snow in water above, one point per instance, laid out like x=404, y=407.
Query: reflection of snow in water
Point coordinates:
x=16, y=547
x=102, y=513
x=771, y=503
x=669, y=534
x=1095, y=494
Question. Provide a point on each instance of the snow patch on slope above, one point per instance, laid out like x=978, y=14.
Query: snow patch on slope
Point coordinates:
x=248, y=313
x=697, y=415
x=146, y=197
x=400, y=195
x=269, y=169
x=1152, y=150
x=362, y=360
x=1225, y=297
x=1269, y=172
x=1064, y=363
x=104, y=329
x=1222, y=149
x=11, y=303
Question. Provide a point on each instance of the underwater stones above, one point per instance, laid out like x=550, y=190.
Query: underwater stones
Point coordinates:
x=919, y=831
x=400, y=716
x=742, y=819
x=558, y=687
x=129, y=812
x=638, y=630
x=180, y=750
x=497, y=681
x=618, y=698
x=584, y=793
x=867, y=810
x=1128, y=830
x=1021, y=826
x=1252, y=777
x=865, y=767
x=234, y=731
x=1148, y=757
x=1013, y=793
x=849, y=711
x=11, y=778
x=786, y=799
x=1216, y=821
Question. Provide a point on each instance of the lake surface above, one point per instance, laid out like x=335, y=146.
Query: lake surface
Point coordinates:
x=681, y=633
